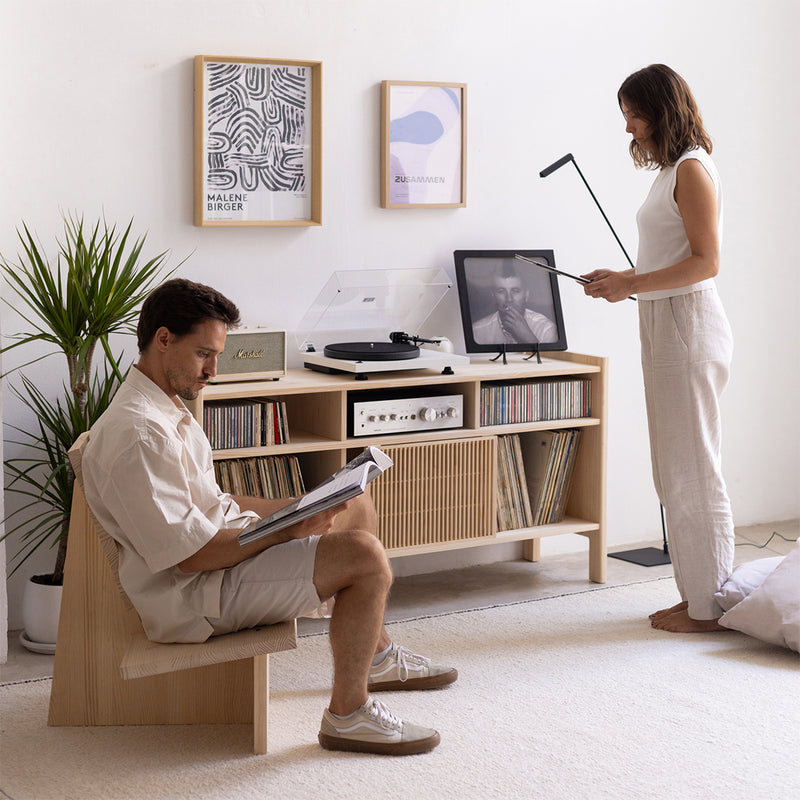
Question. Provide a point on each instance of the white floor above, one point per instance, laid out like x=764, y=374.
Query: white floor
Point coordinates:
x=483, y=586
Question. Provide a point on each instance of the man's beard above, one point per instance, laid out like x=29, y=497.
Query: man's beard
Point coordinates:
x=188, y=394
x=184, y=391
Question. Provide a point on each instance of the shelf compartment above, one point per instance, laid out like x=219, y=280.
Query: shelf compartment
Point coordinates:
x=301, y=442
x=542, y=425
x=567, y=525
x=438, y=492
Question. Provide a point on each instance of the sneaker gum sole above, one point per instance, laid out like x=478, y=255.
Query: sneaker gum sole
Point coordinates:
x=413, y=684
x=380, y=748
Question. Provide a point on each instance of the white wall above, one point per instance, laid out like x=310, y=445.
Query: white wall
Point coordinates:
x=97, y=117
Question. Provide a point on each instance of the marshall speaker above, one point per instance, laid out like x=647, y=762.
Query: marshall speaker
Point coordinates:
x=252, y=355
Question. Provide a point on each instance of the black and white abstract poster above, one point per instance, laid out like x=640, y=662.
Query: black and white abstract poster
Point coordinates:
x=257, y=142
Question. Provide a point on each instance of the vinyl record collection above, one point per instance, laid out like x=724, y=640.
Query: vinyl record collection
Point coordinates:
x=535, y=400
x=262, y=476
x=245, y=423
x=513, y=501
x=534, y=473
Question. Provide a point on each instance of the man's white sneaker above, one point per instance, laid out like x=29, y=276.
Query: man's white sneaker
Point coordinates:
x=402, y=669
x=372, y=728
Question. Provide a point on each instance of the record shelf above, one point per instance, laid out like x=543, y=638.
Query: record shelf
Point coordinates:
x=441, y=493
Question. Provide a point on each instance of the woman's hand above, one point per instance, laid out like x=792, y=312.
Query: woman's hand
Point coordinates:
x=609, y=285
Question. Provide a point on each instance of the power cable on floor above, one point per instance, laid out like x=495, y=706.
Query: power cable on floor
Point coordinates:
x=761, y=546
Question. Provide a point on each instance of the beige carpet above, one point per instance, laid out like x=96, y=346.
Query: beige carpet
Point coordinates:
x=571, y=697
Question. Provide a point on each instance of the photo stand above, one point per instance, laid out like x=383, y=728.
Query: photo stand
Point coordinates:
x=503, y=351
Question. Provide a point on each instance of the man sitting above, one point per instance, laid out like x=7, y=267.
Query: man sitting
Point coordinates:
x=149, y=479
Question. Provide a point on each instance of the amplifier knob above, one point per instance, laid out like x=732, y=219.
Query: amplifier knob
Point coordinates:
x=428, y=414
x=452, y=412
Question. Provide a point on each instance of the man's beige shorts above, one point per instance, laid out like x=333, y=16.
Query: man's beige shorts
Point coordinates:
x=274, y=586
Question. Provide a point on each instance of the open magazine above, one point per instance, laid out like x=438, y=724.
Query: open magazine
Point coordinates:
x=350, y=481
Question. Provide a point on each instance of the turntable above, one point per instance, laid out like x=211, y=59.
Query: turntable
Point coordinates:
x=359, y=318
x=396, y=349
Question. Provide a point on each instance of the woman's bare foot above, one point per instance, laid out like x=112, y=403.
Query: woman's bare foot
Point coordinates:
x=665, y=612
x=681, y=622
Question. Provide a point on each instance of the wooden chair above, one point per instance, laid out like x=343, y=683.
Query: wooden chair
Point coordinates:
x=107, y=672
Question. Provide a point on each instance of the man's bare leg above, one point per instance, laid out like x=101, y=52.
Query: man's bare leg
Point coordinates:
x=353, y=566
x=359, y=514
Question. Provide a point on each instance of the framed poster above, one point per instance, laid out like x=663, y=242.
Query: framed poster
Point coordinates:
x=258, y=133
x=423, y=145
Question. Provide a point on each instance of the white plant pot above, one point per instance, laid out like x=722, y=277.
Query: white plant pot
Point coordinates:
x=41, y=605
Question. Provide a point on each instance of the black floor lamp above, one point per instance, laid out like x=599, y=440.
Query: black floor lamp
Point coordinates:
x=644, y=556
x=648, y=556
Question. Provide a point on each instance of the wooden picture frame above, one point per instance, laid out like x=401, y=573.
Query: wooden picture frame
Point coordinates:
x=258, y=141
x=423, y=145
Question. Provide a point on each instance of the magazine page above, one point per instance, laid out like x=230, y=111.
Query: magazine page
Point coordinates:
x=348, y=482
x=369, y=455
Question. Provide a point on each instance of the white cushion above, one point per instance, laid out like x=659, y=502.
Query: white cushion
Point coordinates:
x=744, y=580
x=771, y=612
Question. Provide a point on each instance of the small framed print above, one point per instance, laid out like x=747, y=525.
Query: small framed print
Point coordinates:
x=258, y=134
x=423, y=145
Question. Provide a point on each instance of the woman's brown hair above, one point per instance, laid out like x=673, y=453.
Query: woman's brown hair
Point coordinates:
x=663, y=99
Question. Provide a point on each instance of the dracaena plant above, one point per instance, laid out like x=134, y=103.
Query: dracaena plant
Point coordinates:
x=93, y=290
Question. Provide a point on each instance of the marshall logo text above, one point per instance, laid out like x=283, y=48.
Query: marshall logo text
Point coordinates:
x=249, y=354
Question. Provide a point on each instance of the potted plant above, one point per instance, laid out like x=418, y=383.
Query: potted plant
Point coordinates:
x=94, y=290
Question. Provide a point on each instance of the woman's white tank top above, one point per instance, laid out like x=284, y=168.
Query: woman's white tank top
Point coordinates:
x=662, y=237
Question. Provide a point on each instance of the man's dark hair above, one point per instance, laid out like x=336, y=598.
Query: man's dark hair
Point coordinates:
x=179, y=305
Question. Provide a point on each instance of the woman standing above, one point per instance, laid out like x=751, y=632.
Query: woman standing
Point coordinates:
x=685, y=336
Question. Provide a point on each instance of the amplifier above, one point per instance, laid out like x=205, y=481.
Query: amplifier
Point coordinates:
x=399, y=411
x=255, y=354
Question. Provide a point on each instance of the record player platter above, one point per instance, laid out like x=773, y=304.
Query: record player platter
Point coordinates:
x=372, y=351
